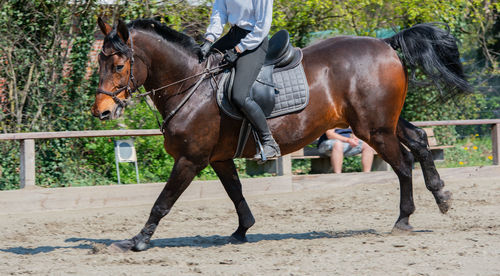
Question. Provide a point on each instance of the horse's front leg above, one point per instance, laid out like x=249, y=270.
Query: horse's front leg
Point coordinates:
x=182, y=174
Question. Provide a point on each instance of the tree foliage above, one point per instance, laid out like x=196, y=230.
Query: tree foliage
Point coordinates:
x=44, y=49
x=44, y=46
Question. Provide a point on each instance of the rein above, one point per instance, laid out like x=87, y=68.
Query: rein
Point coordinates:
x=206, y=72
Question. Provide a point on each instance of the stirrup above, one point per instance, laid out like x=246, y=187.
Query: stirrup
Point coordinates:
x=261, y=156
x=260, y=148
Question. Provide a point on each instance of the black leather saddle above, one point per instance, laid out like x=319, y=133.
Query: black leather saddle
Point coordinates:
x=281, y=56
x=280, y=52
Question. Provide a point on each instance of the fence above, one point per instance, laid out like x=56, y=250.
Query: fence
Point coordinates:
x=283, y=164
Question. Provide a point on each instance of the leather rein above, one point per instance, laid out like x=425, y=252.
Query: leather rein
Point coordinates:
x=206, y=72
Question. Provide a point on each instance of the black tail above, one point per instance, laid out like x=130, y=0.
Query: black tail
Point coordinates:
x=435, y=52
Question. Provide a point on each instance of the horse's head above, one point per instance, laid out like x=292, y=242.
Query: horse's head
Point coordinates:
x=116, y=79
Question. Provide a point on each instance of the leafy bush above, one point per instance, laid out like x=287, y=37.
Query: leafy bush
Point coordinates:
x=473, y=150
x=34, y=39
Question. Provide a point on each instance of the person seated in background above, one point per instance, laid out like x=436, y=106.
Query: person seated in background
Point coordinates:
x=339, y=143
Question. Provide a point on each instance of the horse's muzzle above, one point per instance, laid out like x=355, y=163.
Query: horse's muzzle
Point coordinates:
x=108, y=114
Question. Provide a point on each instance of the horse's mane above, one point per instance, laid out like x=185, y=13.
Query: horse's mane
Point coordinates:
x=153, y=26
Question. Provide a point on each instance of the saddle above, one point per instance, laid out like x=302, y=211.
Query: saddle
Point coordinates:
x=280, y=88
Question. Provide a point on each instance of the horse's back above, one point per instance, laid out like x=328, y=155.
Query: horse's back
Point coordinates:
x=351, y=52
x=362, y=75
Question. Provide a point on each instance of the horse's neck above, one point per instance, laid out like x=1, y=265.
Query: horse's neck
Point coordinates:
x=168, y=63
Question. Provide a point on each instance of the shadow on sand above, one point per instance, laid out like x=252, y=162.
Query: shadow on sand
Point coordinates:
x=41, y=249
x=194, y=241
x=216, y=240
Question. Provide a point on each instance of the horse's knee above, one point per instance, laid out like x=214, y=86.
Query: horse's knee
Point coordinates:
x=418, y=142
x=421, y=135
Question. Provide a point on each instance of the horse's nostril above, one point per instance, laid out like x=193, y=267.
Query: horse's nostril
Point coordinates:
x=105, y=115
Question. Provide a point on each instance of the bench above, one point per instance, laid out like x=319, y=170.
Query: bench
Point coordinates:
x=436, y=150
x=321, y=163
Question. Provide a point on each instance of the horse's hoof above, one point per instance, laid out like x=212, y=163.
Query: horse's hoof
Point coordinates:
x=401, y=231
x=140, y=246
x=237, y=239
x=445, y=202
x=402, y=227
x=121, y=246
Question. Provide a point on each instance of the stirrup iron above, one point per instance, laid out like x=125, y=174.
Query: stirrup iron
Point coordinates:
x=263, y=157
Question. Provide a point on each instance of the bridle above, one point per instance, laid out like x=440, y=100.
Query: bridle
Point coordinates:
x=131, y=80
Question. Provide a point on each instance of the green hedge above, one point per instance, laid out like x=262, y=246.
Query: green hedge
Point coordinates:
x=46, y=89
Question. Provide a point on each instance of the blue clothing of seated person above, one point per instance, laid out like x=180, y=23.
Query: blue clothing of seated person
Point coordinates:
x=340, y=143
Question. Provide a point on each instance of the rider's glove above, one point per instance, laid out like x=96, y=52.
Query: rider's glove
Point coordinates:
x=205, y=50
x=231, y=56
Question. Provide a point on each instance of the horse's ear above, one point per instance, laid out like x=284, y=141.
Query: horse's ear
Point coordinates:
x=105, y=27
x=122, y=30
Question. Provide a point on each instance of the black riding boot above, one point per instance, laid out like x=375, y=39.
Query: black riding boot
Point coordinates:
x=254, y=114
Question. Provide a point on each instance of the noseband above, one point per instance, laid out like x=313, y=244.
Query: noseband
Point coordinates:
x=131, y=79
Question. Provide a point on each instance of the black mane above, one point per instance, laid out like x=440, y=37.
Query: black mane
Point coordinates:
x=151, y=25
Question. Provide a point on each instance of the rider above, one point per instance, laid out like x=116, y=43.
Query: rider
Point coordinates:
x=245, y=47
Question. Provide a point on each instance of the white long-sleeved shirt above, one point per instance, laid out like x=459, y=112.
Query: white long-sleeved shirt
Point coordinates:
x=252, y=15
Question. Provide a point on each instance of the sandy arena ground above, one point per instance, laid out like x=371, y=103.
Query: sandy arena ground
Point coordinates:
x=342, y=230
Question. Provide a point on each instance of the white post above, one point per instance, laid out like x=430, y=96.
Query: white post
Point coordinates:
x=495, y=142
x=136, y=171
x=27, y=170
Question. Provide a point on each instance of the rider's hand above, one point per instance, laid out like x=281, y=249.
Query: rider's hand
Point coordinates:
x=205, y=49
x=231, y=56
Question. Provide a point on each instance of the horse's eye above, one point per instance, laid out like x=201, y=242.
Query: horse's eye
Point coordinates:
x=119, y=68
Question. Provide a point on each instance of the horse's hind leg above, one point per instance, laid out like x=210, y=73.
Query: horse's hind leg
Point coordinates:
x=183, y=172
x=387, y=144
x=416, y=140
x=226, y=171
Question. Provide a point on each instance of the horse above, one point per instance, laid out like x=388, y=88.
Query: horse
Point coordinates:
x=357, y=82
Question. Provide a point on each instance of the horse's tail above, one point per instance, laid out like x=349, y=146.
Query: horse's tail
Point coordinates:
x=435, y=52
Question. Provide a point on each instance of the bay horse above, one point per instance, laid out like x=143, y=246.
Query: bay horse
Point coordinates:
x=359, y=82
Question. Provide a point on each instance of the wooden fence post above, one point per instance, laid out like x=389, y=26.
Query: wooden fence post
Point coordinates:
x=281, y=166
x=284, y=165
x=495, y=142
x=27, y=170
